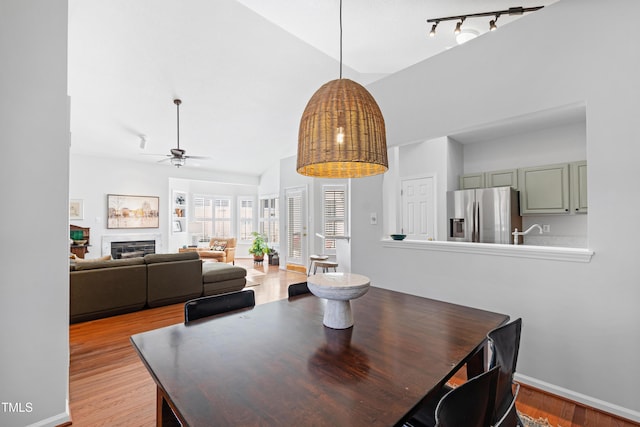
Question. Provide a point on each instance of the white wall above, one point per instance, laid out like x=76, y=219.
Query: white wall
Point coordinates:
x=581, y=335
x=92, y=178
x=270, y=181
x=425, y=159
x=558, y=144
x=34, y=287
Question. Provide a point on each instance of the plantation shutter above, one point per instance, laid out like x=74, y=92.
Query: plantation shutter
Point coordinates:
x=246, y=219
x=294, y=218
x=334, y=214
x=202, y=211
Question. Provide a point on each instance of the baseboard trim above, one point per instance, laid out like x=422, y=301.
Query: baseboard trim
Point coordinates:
x=63, y=419
x=580, y=398
x=297, y=268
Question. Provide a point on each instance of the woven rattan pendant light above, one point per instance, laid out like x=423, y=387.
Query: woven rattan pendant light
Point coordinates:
x=342, y=133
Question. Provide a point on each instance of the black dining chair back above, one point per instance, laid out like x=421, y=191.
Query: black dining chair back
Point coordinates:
x=298, y=289
x=215, y=304
x=470, y=404
x=505, y=345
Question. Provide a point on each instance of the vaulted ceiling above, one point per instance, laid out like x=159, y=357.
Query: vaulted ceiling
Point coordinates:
x=243, y=69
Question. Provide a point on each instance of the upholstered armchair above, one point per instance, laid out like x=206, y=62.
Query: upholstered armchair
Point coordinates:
x=222, y=249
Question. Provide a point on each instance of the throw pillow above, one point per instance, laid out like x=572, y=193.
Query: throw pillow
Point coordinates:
x=219, y=245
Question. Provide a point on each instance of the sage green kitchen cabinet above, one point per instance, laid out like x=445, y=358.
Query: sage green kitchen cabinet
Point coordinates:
x=471, y=180
x=544, y=189
x=502, y=178
x=578, y=172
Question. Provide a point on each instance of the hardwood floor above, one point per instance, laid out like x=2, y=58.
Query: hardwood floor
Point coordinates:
x=109, y=385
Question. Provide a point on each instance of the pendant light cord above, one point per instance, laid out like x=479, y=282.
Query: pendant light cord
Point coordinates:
x=340, y=38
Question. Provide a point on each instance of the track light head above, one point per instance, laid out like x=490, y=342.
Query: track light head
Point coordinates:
x=458, y=27
x=432, y=33
x=492, y=23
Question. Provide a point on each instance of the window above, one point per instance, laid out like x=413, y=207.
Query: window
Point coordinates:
x=270, y=219
x=214, y=213
x=334, y=214
x=246, y=217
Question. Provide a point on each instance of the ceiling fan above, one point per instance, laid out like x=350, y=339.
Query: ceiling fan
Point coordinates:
x=178, y=156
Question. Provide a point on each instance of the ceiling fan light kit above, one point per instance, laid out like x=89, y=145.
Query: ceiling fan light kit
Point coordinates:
x=178, y=157
x=342, y=132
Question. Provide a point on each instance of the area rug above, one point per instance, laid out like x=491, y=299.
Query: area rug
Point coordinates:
x=256, y=278
x=250, y=284
x=530, y=422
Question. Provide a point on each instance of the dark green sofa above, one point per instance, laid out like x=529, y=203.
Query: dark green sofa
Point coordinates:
x=106, y=288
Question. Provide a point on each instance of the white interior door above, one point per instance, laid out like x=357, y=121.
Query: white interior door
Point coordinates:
x=296, y=201
x=418, y=208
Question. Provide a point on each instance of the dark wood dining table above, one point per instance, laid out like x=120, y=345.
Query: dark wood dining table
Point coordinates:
x=276, y=364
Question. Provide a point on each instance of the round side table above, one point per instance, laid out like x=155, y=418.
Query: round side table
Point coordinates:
x=338, y=289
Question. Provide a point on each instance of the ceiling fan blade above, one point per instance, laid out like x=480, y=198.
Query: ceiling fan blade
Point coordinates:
x=165, y=160
x=197, y=157
x=155, y=154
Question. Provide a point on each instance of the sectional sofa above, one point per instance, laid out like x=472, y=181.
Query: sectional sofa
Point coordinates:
x=109, y=287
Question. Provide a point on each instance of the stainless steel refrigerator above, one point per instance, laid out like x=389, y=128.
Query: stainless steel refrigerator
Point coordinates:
x=485, y=215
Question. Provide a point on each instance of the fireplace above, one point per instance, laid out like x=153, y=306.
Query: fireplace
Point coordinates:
x=132, y=240
x=132, y=249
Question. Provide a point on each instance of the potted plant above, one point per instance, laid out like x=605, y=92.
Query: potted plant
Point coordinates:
x=259, y=246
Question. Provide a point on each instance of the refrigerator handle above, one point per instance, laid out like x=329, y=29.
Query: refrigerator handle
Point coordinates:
x=474, y=223
x=477, y=215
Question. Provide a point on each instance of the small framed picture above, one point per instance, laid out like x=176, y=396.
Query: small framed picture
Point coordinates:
x=76, y=209
x=177, y=227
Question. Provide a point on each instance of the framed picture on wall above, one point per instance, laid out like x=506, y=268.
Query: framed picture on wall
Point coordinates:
x=132, y=211
x=76, y=209
x=177, y=227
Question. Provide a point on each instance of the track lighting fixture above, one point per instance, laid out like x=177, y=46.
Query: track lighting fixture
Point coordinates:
x=459, y=26
x=432, y=33
x=492, y=24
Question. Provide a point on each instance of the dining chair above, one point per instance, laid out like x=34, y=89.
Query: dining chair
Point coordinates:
x=215, y=304
x=470, y=404
x=298, y=289
x=504, y=343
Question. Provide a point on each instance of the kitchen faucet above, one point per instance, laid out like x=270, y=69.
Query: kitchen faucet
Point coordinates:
x=517, y=234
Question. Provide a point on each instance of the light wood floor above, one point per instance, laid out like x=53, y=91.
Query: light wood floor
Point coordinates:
x=109, y=385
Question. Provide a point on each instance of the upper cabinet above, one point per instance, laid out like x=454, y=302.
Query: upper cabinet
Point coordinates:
x=551, y=189
x=544, y=189
x=503, y=178
x=472, y=180
x=578, y=172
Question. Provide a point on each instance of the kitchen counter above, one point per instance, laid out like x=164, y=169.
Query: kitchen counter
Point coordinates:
x=519, y=251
